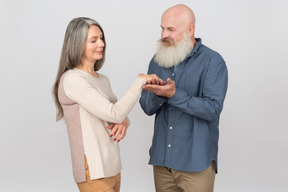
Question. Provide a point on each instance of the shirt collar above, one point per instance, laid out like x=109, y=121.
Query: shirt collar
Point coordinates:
x=196, y=48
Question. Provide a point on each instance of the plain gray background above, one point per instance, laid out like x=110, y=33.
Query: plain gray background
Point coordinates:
x=251, y=35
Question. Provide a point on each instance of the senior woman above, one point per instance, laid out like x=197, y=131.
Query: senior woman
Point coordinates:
x=94, y=118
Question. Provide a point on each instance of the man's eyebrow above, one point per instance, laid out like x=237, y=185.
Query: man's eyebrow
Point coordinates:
x=170, y=27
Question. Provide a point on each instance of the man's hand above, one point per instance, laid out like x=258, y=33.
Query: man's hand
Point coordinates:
x=167, y=90
x=119, y=130
x=152, y=79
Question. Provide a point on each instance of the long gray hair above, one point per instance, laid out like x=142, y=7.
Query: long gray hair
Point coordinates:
x=72, y=52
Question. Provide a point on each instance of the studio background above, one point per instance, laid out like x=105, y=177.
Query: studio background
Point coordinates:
x=251, y=35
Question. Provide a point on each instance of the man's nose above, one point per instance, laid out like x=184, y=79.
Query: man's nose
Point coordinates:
x=164, y=34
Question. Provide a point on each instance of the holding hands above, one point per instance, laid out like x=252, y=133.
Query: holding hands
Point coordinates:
x=152, y=79
x=164, y=90
x=158, y=86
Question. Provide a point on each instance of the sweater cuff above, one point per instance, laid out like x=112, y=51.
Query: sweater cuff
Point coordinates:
x=140, y=81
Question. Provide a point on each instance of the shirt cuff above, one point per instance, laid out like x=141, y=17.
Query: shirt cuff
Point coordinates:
x=178, y=96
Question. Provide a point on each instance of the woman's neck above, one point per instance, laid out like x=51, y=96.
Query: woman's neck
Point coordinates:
x=88, y=69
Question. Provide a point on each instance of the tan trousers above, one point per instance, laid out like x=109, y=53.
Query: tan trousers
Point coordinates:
x=170, y=180
x=110, y=184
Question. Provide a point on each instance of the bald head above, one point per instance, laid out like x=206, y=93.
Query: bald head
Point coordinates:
x=180, y=13
x=176, y=22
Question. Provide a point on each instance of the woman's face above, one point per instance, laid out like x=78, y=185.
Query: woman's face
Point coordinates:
x=94, y=45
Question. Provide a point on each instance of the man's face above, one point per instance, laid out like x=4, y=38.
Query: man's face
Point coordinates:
x=172, y=30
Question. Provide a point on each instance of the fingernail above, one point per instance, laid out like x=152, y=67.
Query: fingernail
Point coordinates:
x=118, y=140
x=114, y=139
x=111, y=135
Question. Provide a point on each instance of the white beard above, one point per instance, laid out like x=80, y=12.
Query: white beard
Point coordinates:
x=169, y=56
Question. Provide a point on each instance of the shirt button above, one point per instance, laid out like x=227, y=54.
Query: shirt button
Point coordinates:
x=171, y=127
x=169, y=145
x=160, y=104
x=172, y=74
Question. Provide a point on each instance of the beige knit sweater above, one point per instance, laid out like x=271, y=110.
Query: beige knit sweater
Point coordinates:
x=89, y=105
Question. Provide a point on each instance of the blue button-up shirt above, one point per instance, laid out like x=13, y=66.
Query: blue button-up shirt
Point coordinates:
x=186, y=125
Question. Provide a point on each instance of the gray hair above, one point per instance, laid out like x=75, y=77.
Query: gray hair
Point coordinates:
x=72, y=52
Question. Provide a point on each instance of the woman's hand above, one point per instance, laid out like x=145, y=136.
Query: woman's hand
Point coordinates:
x=152, y=79
x=119, y=130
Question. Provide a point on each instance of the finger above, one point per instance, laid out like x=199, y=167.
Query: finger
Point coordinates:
x=110, y=126
x=163, y=82
x=170, y=81
x=153, y=86
x=159, y=82
x=123, y=134
x=147, y=87
x=113, y=131
x=153, y=81
x=156, y=81
x=117, y=134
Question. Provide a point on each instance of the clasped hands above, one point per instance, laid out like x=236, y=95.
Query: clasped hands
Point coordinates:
x=158, y=86
x=119, y=130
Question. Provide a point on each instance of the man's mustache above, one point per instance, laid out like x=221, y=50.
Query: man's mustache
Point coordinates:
x=170, y=41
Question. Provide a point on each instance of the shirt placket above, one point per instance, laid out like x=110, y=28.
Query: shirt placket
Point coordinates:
x=170, y=124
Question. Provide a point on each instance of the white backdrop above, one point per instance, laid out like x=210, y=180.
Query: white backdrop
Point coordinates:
x=251, y=35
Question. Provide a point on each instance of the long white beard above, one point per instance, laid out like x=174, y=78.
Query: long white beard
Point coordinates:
x=169, y=56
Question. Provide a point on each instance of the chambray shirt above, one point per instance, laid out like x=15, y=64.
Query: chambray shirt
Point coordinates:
x=186, y=128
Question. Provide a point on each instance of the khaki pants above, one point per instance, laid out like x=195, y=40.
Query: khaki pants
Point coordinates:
x=109, y=184
x=170, y=180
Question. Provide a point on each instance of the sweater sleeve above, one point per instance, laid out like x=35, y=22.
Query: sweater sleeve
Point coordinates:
x=82, y=92
x=149, y=101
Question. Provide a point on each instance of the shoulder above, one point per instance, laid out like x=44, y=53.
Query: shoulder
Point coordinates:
x=74, y=78
x=212, y=58
x=212, y=54
x=72, y=74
